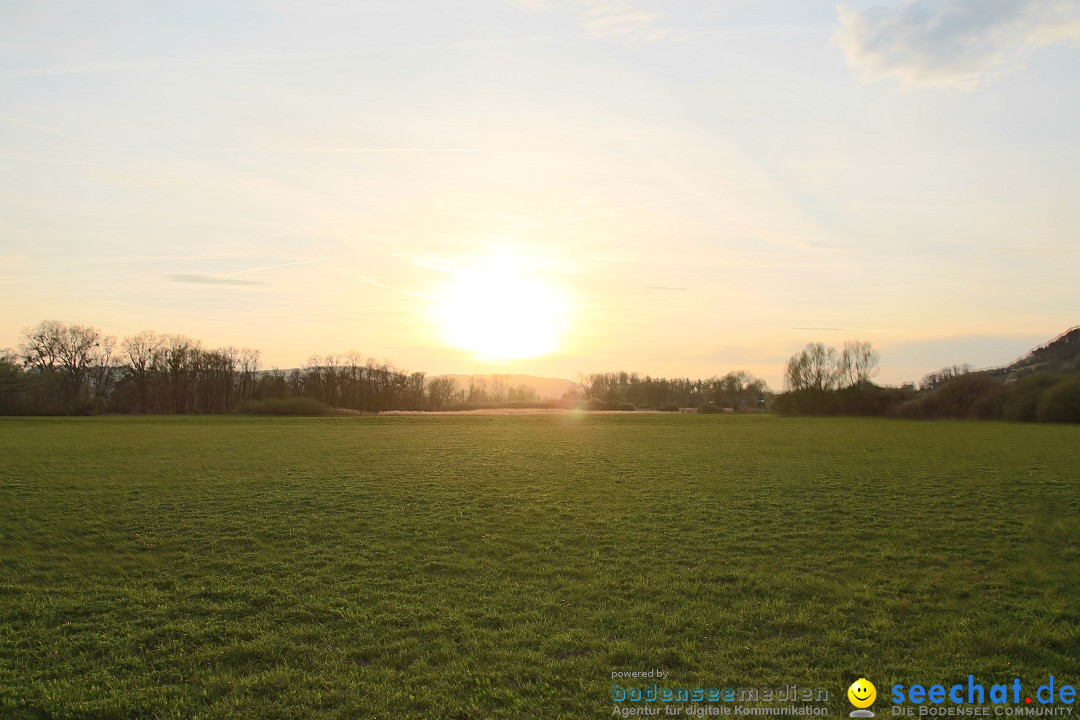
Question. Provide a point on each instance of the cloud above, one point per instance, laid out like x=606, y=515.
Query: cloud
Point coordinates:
x=612, y=211
x=288, y=264
x=619, y=20
x=952, y=43
x=315, y=149
x=211, y=280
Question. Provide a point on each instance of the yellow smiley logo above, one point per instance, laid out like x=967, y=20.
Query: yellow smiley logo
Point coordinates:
x=862, y=693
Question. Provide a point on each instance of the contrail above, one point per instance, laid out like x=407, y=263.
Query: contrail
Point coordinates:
x=622, y=209
x=301, y=229
x=289, y=264
x=376, y=283
x=277, y=234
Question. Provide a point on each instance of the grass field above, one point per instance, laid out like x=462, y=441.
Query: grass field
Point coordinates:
x=503, y=567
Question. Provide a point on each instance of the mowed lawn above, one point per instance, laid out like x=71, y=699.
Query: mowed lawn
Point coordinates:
x=503, y=567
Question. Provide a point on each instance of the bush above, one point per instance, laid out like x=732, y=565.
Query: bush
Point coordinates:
x=972, y=396
x=869, y=399
x=1061, y=403
x=626, y=407
x=865, y=399
x=708, y=408
x=668, y=407
x=806, y=402
x=1022, y=397
x=596, y=404
x=284, y=406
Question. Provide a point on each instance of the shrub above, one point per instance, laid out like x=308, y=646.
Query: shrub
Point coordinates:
x=975, y=396
x=864, y=399
x=708, y=408
x=969, y=396
x=284, y=406
x=806, y=402
x=596, y=404
x=1022, y=397
x=869, y=399
x=1061, y=403
x=988, y=404
x=668, y=407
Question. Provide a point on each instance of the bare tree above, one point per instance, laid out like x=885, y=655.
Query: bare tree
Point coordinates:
x=142, y=352
x=816, y=367
x=323, y=372
x=414, y=391
x=352, y=385
x=179, y=359
x=72, y=350
x=441, y=391
x=478, y=391
x=12, y=378
x=40, y=346
x=102, y=374
x=935, y=379
x=249, y=373
x=858, y=362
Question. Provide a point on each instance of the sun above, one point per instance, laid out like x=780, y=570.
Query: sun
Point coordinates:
x=499, y=310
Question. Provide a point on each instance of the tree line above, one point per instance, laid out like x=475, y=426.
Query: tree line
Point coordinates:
x=737, y=391
x=822, y=380
x=62, y=368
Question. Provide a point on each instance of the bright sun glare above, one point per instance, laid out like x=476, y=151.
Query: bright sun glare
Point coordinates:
x=498, y=310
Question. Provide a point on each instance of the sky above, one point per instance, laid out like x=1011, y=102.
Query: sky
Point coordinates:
x=676, y=188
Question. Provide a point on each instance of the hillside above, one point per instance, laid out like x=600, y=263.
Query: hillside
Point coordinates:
x=1062, y=354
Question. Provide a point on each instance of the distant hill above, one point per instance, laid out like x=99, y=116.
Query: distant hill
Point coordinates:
x=544, y=387
x=1062, y=354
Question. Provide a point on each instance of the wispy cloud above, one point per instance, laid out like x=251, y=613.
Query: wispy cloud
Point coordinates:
x=952, y=43
x=619, y=20
x=428, y=263
x=165, y=64
x=188, y=64
x=212, y=280
x=625, y=208
x=612, y=259
x=227, y=279
x=317, y=149
x=300, y=229
x=281, y=265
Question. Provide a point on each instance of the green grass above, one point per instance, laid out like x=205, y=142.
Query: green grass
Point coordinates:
x=503, y=567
